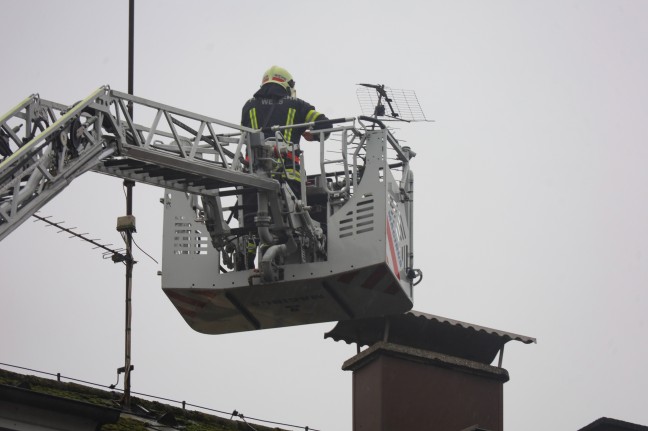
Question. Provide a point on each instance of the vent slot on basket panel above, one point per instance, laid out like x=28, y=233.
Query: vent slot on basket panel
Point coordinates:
x=360, y=220
x=188, y=240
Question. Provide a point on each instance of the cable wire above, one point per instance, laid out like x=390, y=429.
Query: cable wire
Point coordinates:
x=140, y=249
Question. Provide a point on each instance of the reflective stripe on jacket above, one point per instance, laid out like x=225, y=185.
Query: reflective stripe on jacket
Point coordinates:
x=272, y=106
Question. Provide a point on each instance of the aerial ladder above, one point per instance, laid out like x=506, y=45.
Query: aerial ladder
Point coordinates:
x=340, y=248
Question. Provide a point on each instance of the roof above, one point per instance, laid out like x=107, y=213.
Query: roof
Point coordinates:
x=83, y=400
x=608, y=424
x=37, y=408
x=428, y=332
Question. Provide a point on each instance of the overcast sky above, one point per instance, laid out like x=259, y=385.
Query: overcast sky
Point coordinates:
x=531, y=205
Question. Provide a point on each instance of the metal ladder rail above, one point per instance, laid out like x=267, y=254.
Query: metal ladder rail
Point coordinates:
x=175, y=150
x=181, y=150
x=7, y=133
x=39, y=169
x=31, y=113
x=46, y=164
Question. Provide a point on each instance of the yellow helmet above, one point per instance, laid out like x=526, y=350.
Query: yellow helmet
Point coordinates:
x=279, y=75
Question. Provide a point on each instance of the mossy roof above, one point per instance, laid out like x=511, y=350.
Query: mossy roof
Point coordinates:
x=144, y=413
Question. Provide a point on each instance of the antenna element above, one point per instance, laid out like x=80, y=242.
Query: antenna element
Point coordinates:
x=403, y=104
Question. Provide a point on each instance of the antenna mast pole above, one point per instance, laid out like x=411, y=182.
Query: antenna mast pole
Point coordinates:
x=129, y=184
x=131, y=50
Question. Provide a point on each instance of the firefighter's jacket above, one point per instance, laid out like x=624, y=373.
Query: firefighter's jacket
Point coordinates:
x=272, y=106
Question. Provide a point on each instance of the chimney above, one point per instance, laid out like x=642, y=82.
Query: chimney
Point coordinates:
x=425, y=372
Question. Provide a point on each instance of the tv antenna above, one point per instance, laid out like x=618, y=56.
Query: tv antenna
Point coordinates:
x=403, y=105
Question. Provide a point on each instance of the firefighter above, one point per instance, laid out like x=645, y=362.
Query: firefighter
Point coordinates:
x=276, y=104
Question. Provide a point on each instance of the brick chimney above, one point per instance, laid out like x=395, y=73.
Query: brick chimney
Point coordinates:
x=425, y=372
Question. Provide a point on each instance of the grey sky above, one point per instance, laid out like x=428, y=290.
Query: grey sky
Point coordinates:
x=531, y=210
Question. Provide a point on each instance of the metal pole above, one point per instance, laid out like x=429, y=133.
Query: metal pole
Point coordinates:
x=129, y=184
x=501, y=357
x=131, y=51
